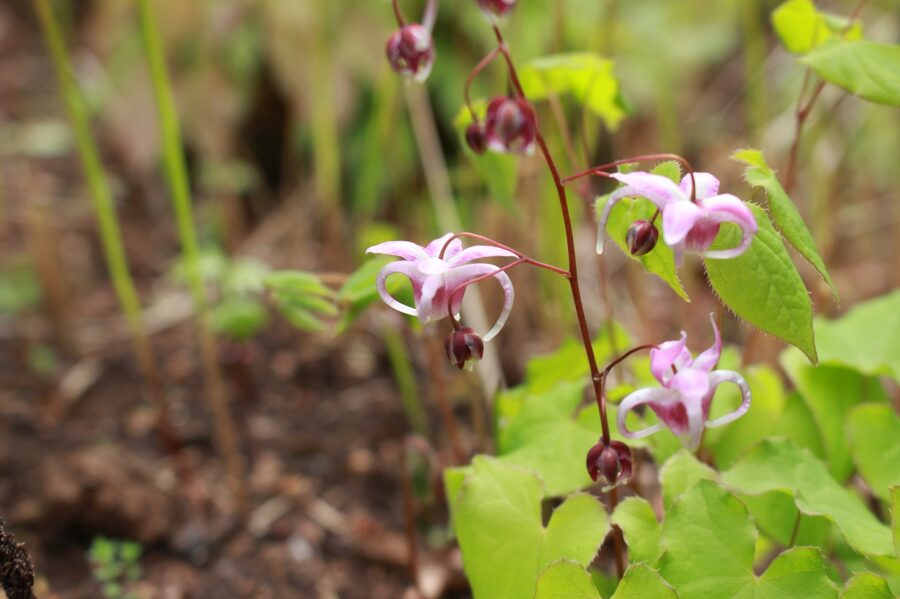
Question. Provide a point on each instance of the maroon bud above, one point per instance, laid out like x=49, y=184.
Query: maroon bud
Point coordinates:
x=510, y=125
x=497, y=9
x=612, y=460
x=476, y=138
x=410, y=50
x=464, y=348
x=641, y=237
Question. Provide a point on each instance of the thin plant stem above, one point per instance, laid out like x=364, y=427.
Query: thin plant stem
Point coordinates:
x=107, y=222
x=573, y=280
x=519, y=254
x=484, y=62
x=795, y=530
x=177, y=177
x=600, y=170
x=409, y=516
x=436, y=367
x=405, y=379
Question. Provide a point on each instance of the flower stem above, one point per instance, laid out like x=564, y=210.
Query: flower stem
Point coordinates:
x=107, y=222
x=484, y=62
x=519, y=254
x=176, y=174
x=573, y=283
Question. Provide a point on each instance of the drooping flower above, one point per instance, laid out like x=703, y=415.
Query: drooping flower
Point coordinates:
x=610, y=460
x=510, y=125
x=641, y=237
x=687, y=226
x=410, y=50
x=464, y=347
x=688, y=386
x=434, y=279
x=497, y=10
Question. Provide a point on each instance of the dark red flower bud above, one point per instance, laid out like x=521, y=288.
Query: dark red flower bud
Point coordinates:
x=611, y=460
x=476, y=138
x=464, y=347
x=410, y=50
x=641, y=237
x=497, y=9
x=510, y=125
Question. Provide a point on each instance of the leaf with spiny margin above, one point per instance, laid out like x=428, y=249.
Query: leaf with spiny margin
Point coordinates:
x=643, y=582
x=497, y=520
x=873, y=431
x=680, y=473
x=565, y=579
x=865, y=585
x=659, y=261
x=801, y=27
x=868, y=69
x=831, y=392
x=709, y=538
x=762, y=285
x=588, y=77
x=639, y=526
x=778, y=465
x=782, y=209
x=866, y=338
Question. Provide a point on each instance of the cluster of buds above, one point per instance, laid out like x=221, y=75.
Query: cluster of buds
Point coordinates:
x=510, y=126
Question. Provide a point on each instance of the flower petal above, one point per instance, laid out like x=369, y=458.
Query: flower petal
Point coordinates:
x=477, y=252
x=727, y=208
x=402, y=249
x=434, y=248
x=678, y=218
x=716, y=378
x=707, y=185
x=612, y=200
x=458, y=277
x=433, y=301
x=690, y=382
x=663, y=357
x=708, y=359
x=407, y=268
x=660, y=190
x=639, y=397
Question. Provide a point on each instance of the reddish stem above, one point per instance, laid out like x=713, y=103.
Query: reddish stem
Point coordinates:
x=573, y=281
x=518, y=254
x=478, y=279
x=488, y=59
x=599, y=170
x=398, y=14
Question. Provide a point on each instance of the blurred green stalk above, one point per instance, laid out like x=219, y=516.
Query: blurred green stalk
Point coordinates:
x=177, y=177
x=108, y=225
x=754, y=67
x=406, y=381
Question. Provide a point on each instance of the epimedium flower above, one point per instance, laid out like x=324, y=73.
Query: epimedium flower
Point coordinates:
x=434, y=278
x=612, y=460
x=688, y=386
x=410, y=50
x=686, y=225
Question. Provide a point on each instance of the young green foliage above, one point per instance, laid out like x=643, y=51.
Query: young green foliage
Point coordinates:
x=763, y=287
x=873, y=433
x=782, y=209
x=638, y=523
x=497, y=520
x=567, y=579
x=642, y=582
x=868, y=69
x=302, y=298
x=801, y=27
x=865, y=585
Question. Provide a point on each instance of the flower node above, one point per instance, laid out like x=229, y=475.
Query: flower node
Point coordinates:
x=641, y=237
x=611, y=460
x=510, y=125
x=410, y=50
x=464, y=347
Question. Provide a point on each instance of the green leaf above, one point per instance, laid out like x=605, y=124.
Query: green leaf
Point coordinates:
x=359, y=292
x=762, y=285
x=497, y=519
x=778, y=465
x=296, y=283
x=873, y=431
x=709, y=541
x=865, y=585
x=239, y=317
x=868, y=69
x=588, y=77
x=565, y=579
x=639, y=526
x=831, y=392
x=680, y=473
x=801, y=27
x=784, y=213
x=776, y=515
x=866, y=338
x=642, y=582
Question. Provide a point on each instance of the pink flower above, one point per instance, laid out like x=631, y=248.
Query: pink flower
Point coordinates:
x=686, y=225
x=434, y=279
x=688, y=386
